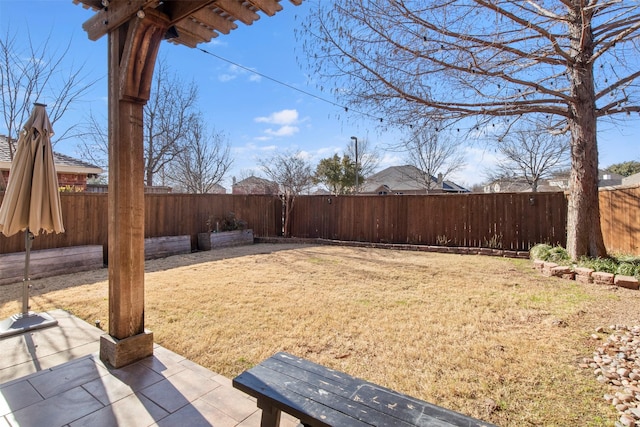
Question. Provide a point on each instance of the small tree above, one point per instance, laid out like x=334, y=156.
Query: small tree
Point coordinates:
x=532, y=153
x=368, y=159
x=337, y=174
x=203, y=162
x=292, y=173
x=94, y=142
x=434, y=153
x=168, y=116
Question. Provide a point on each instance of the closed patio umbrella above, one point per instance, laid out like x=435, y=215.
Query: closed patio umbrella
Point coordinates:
x=31, y=204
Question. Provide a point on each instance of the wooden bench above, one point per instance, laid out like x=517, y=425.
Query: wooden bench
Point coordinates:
x=319, y=396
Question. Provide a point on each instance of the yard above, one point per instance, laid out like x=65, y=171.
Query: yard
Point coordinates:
x=485, y=336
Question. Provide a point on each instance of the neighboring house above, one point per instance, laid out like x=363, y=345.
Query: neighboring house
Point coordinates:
x=407, y=180
x=631, y=180
x=557, y=183
x=218, y=189
x=608, y=179
x=254, y=185
x=72, y=173
x=104, y=188
x=505, y=185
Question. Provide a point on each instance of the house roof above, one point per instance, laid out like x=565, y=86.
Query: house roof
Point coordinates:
x=405, y=179
x=254, y=180
x=630, y=180
x=63, y=163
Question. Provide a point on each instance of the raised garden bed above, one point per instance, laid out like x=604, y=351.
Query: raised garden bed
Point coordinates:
x=50, y=262
x=160, y=247
x=224, y=239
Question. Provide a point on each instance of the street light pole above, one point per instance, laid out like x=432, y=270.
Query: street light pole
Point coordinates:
x=356, y=141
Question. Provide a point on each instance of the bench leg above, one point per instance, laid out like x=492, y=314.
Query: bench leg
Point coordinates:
x=270, y=415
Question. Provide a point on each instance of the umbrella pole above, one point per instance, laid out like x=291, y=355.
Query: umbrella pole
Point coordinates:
x=26, y=321
x=26, y=281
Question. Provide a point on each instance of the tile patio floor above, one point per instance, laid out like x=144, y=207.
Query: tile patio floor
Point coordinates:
x=53, y=377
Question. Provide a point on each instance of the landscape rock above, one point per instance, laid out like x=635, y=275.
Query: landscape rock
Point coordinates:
x=583, y=275
x=538, y=264
x=548, y=267
x=617, y=363
x=628, y=282
x=602, y=278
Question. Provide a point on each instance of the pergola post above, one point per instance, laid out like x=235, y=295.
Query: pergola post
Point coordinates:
x=133, y=47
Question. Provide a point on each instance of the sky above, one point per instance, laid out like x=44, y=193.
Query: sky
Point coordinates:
x=259, y=116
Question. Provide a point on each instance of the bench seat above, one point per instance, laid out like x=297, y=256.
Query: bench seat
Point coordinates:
x=319, y=396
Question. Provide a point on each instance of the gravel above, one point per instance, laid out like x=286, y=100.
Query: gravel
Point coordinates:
x=617, y=363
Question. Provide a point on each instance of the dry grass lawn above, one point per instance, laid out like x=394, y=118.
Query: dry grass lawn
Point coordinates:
x=459, y=331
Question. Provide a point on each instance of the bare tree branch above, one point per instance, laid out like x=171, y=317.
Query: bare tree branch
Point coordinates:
x=410, y=62
x=204, y=161
x=293, y=174
x=168, y=116
x=30, y=73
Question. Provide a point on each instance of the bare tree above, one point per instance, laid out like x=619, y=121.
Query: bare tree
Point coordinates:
x=368, y=158
x=495, y=61
x=203, y=162
x=293, y=173
x=168, y=116
x=532, y=154
x=30, y=73
x=94, y=142
x=434, y=153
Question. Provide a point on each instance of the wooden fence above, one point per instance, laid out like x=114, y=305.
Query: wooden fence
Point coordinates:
x=513, y=221
x=620, y=219
x=85, y=217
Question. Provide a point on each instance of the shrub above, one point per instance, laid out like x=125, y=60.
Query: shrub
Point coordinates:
x=607, y=265
x=228, y=223
x=546, y=252
x=540, y=251
x=627, y=269
x=559, y=255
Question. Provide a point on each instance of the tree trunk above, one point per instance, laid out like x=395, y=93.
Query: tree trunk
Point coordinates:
x=584, y=234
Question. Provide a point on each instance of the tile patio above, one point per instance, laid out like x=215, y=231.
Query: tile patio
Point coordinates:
x=53, y=377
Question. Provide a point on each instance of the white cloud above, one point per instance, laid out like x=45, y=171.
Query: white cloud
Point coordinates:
x=263, y=138
x=233, y=71
x=226, y=77
x=283, y=117
x=283, y=131
x=478, y=162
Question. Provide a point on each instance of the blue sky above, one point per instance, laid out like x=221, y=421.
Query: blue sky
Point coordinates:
x=258, y=115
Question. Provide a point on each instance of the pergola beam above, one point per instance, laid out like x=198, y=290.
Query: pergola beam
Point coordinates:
x=214, y=20
x=270, y=7
x=233, y=8
x=113, y=16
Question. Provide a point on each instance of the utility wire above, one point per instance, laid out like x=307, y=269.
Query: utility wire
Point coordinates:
x=345, y=108
x=335, y=104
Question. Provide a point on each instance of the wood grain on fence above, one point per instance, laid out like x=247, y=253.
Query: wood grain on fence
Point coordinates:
x=513, y=221
x=620, y=219
x=85, y=217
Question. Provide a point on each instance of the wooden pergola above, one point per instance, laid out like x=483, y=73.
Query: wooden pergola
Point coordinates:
x=135, y=29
